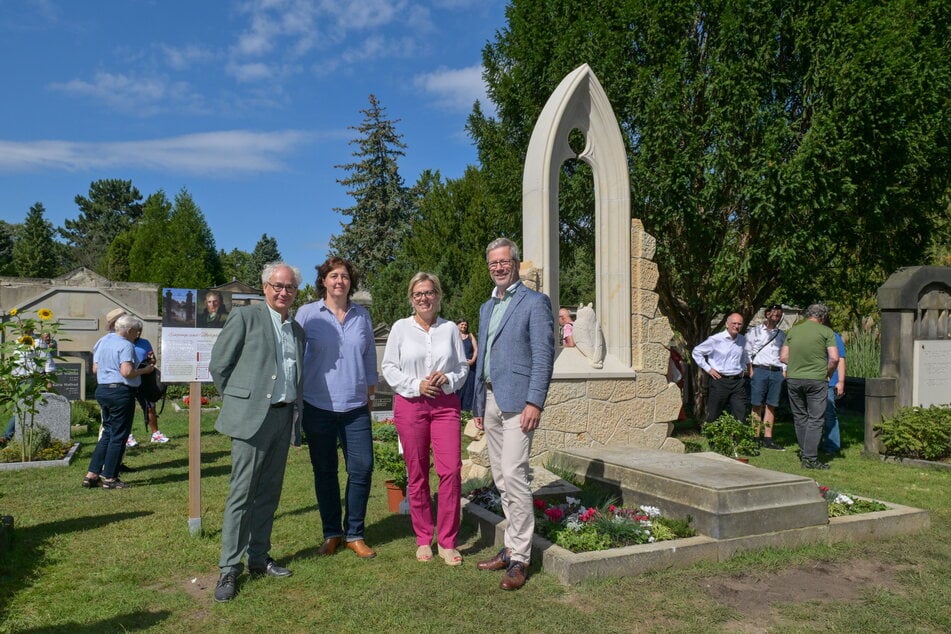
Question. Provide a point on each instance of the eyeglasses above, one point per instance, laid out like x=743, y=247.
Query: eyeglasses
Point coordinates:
x=278, y=288
x=500, y=264
x=421, y=294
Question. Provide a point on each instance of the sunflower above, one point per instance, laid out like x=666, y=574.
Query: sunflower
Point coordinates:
x=26, y=340
x=45, y=314
x=14, y=312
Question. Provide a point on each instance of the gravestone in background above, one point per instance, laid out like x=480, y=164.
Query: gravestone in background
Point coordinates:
x=53, y=414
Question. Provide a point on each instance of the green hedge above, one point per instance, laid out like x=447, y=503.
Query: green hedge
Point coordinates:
x=917, y=432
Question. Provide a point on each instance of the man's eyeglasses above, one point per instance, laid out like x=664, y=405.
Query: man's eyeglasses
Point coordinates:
x=290, y=288
x=500, y=264
x=421, y=294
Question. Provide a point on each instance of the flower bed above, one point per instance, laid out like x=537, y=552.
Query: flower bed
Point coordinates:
x=841, y=504
x=578, y=528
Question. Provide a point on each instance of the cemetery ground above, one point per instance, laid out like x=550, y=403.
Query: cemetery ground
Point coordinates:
x=123, y=560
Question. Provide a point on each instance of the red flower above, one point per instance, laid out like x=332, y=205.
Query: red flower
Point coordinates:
x=588, y=515
x=554, y=514
x=539, y=504
x=612, y=508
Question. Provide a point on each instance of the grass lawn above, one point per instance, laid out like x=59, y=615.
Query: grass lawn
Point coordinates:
x=112, y=561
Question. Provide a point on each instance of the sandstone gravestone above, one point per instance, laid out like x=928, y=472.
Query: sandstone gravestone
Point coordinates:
x=53, y=414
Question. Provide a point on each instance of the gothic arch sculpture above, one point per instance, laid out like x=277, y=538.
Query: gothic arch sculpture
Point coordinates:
x=579, y=102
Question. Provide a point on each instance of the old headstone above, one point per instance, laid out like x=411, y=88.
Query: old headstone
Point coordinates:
x=53, y=414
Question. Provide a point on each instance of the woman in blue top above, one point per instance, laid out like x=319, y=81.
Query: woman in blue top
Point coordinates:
x=117, y=377
x=340, y=377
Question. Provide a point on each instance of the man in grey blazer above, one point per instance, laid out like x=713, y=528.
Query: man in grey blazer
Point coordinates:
x=517, y=341
x=256, y=366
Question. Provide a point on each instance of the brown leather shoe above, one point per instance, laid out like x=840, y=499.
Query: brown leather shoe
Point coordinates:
x=329, y=547
x=361, y=549
x=514, y=577
x=499, y=562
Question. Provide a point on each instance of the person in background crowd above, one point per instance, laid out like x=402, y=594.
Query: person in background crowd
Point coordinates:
x=471, y=350
x=831, y=439
x=144, y=354
x=425, y=364
x=763, y=345
x=340, y=378
x=723, y=357
x=567, y=328
x=810, y=355
x=117, y=377
x=256, y=367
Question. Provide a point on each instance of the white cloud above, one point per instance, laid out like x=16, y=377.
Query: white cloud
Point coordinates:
x=185, y=57
x=146, y=95
x=223, y=153
x=455, y=89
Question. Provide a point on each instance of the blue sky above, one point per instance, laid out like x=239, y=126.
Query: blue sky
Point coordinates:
x=246, y=104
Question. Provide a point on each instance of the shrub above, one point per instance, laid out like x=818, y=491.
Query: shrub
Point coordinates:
x=730, y=437
x=178, y=390
x=917, y=432
x=84, y=413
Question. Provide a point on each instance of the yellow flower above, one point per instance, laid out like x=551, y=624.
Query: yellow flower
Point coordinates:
x=45, y=314
x=14, y=312
x=26, y=340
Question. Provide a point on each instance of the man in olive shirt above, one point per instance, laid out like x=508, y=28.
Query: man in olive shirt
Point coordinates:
x=810, y=354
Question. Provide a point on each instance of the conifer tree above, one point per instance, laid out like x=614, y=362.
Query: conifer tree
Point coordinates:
x=35, y=251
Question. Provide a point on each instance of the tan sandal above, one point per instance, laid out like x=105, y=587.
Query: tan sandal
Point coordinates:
x=451, y=556
x=424, y=553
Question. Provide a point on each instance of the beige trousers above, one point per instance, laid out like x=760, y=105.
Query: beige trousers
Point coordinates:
x=509, y=450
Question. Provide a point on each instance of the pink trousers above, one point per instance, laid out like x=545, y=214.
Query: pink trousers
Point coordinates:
x=423, y=422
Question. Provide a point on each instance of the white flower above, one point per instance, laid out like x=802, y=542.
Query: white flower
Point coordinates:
x=651, y=511
x=572, y=501
x=650, y=540
x=844, y=499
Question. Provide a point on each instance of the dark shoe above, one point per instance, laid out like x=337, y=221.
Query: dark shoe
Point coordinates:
x=500, y=562
x=812, y=463
x=514, y=577
x=769, y=444
x=269, y=569
x=361, y=549
x=226, y=588
x=124, y=468
x=329, y=547
x=114, y=484
x=91, y=483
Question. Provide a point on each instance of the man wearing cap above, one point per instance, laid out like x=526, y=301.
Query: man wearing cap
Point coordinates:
x=723, y=357
x=256, y=366
x=763, y=345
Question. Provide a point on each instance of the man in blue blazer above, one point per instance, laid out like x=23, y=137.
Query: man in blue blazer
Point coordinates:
x=256, y=366
x=517, y=345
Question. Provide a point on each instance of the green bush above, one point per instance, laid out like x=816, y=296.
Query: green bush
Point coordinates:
x=917, y=432
x=85, y=413
x=44, y=447
x=387, y=458
x=863, y=352
x=178, y=390
x=730, y=437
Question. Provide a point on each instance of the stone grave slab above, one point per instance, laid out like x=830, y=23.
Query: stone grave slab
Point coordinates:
x=53, y=414
x=726, y=499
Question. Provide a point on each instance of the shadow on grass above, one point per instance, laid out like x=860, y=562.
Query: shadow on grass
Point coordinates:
x=124, y=623
x=29, y=543
x=182, y=476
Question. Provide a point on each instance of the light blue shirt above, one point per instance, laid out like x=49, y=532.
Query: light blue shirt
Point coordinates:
x=285, y=387
x=109, y=354
x=498, y=310
x=339, y=358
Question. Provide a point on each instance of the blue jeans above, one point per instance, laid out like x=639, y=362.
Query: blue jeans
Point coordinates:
x=323, y=429
x=831, y=442
x=118, y=409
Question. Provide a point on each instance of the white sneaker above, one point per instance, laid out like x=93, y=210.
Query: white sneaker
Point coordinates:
x=131, y=442
x=159, y=437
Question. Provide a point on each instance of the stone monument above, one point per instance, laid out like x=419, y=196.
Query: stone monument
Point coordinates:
x=915, y=367
x=52, y=413
x=627, y=400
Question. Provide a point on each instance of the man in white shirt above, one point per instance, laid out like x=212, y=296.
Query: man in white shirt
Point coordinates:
x=763, y=344
x=723, y=357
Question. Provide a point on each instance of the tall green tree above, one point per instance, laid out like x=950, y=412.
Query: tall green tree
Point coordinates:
x=174, y=246
x=265, y=252
x=35, y=251
x=236, y=265
x=7, y=238
x=382, y=212
x=774, y=146
x=112, y=207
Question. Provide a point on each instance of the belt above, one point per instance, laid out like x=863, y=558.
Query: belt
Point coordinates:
x=115, y=385
x=731, y=376
x=279, y=405
x=771, y=368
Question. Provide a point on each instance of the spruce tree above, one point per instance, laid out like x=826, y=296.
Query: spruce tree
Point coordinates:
x=111, y=208
x=35, y=251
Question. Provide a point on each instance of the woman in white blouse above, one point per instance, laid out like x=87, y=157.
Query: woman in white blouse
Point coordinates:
x=425, y=364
